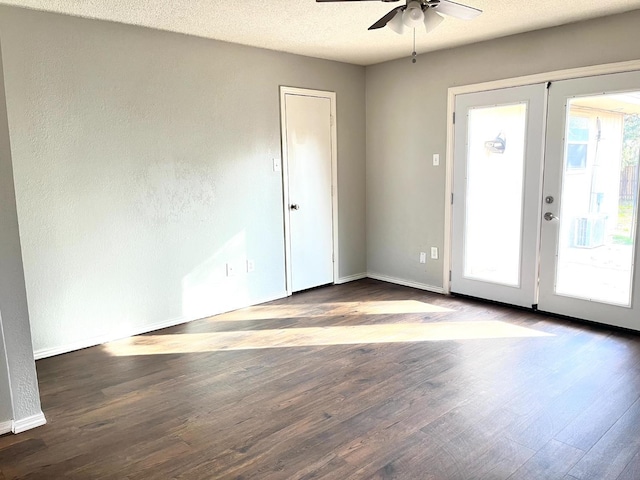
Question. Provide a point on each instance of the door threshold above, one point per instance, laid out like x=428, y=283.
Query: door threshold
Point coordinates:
x=534, y=308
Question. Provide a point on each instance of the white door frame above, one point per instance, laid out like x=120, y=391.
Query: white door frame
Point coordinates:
x=285, y=176
x=554, y=76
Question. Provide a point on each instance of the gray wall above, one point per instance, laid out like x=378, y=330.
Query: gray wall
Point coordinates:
x=406, y=123
x=143, y=164
x=16, y=363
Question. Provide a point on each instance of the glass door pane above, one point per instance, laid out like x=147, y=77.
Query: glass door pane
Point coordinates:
x=597, y=231
x=495, y=156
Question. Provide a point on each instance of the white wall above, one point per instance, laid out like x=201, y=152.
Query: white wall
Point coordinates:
x=19, y=396
x=407, y=121
x=6, y=411
x=143, y=164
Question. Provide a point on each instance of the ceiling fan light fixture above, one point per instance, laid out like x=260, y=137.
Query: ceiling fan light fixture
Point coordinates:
x=413, y=15
x=432, y=19
x=396, y=23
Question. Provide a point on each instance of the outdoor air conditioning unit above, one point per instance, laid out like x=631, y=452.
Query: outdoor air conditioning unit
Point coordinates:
x=587, y=231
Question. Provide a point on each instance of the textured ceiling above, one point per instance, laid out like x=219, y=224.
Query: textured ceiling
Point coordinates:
x=336, y=31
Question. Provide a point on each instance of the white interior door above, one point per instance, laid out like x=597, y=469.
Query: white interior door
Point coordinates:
x=308, y=151
x=589, y=235
x=496, y=194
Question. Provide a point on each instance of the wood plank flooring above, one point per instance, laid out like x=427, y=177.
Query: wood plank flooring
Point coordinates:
x=364, y=380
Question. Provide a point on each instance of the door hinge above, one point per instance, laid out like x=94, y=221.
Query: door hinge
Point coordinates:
x=548, y=85
x=452, y=199
x=454, y=118
x=449, y=275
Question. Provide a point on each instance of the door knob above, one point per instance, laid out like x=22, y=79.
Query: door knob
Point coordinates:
x=295, y=206
x=549, y=216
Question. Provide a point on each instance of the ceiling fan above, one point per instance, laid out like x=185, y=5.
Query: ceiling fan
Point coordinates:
x=415, y=13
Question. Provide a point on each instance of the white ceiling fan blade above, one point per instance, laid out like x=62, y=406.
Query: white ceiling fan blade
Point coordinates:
x=457, y=10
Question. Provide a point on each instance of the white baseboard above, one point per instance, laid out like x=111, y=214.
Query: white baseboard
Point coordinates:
x=110, y=337
x=350, y=278
x=28, y=423
x=5, y=427
x=406, y=283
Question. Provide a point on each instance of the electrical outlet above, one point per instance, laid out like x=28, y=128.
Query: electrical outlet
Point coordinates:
x=434, y=253
x=423, y=257
x=231, y=271
x=436, y=159
x=251, y=266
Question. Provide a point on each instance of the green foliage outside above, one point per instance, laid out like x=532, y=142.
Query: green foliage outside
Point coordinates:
x=631, y=140
x=623, y=234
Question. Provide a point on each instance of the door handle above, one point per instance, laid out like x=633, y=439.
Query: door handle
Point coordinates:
x=295, y=206
x=550, y=216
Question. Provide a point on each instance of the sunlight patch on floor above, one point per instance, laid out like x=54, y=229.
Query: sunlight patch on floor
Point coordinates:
x=317, y=336
x=393, y=307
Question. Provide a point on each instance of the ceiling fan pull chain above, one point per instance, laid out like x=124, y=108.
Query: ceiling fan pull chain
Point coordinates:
x=414, y=54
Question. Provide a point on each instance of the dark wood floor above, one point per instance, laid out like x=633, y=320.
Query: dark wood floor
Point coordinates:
x=364, y=380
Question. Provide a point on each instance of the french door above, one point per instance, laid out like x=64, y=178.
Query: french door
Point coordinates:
x=497, y=180
x=546, y=214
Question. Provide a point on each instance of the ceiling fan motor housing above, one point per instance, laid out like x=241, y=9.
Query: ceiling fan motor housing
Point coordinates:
x=416, y=13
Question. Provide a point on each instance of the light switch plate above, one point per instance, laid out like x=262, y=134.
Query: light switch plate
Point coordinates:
x=277, y=166
x=436, y=159
x=434, y=253
x=231, y=271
